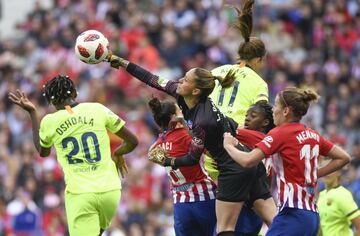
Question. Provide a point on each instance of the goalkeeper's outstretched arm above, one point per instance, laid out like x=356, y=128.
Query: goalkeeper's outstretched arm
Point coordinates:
x=143, y=75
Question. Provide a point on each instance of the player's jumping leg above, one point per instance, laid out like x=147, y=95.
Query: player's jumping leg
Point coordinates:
x=227, y=214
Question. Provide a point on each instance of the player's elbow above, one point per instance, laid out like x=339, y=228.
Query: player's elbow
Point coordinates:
x=346, y=159
x=44, y=152
x=133, y=143
x=249, y=163
x=244, y=160
x=340, y=155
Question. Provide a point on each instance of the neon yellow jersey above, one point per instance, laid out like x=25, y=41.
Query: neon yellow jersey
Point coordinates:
x=337, y=208
x=83, y=146
x=248, y=89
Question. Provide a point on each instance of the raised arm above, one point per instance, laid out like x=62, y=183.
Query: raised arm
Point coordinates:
x=143, y=75
x=20, y=99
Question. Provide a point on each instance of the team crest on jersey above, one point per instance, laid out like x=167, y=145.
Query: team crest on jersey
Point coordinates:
x=267, y=140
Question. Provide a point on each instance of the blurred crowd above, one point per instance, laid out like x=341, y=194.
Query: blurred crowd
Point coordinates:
x=310, y=43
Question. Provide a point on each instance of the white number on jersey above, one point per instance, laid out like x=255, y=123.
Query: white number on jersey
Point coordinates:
x=307, y=153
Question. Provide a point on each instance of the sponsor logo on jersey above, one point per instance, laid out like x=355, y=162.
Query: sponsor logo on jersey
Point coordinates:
x=267, y=140
x=197, y=140
x=162, y=82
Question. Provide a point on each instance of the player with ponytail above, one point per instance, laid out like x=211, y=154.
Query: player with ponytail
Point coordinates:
x=193, y=190
x=295, y=150
x=208, y=126
x=247, y=89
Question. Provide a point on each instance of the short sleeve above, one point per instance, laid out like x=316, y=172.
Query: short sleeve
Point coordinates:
x=249, y=137
x=44, y=133
x=348, y=206
x=270, y=144
x=113, y=122
x=262, y=93
x=221, y=70
x=325, y=146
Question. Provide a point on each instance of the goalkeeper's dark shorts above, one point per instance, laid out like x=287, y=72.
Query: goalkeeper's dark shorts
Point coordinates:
x=235, y=182
x=260, y=188
x=238, y=184
x=248, y=185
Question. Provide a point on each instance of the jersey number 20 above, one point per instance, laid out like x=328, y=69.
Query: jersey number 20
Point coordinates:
x=84, y=141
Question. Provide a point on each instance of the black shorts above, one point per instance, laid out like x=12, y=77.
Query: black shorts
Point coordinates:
x=235, y=186
x=260, y=188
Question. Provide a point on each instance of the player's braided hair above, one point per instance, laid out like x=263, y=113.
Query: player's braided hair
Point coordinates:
x=162, y=111
x=60, y=88
x=266, y=110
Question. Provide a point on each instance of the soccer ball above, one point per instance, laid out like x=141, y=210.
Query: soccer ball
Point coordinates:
x=91, y=47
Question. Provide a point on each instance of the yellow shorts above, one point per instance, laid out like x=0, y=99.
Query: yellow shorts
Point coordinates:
x=210, y=168
x=87, y=213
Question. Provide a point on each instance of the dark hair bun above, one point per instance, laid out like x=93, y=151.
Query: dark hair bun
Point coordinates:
x=155, y=106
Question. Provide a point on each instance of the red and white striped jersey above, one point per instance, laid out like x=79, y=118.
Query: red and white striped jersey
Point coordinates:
x=295, y=150
x=190, y=183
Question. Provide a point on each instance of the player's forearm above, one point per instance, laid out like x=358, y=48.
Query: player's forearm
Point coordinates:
x=152, y=80
x=245, y=159
x=125, y=148
x=339, y=158
x=35, y=129
x=143, y=75
x=332, y=166
x=196, y=149
x=238, y=156
x=188, y=160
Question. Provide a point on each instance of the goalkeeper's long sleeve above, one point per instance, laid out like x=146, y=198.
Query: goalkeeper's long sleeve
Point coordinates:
x=188, y=160
x=152, y=80
x=195, y=150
